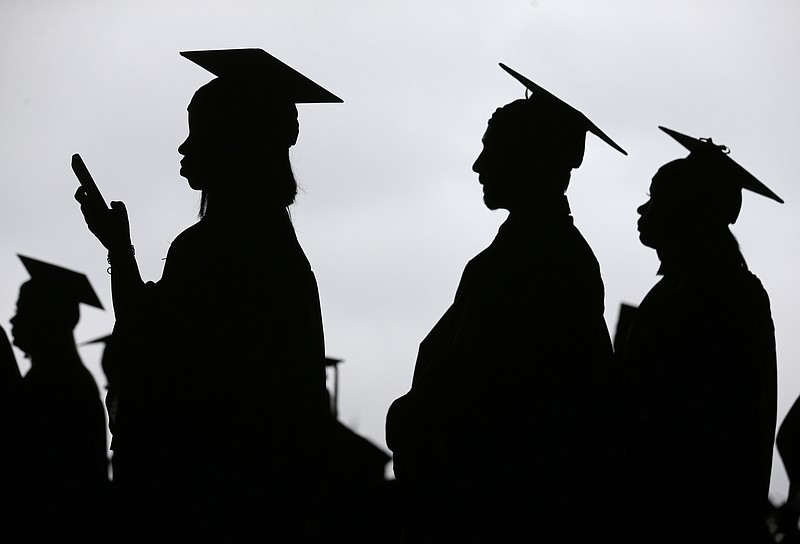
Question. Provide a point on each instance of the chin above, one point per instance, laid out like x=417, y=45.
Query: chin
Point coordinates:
x=194, y=183
x=646, y=241
x=491, y=201
x=23, y=346
x=494, y=205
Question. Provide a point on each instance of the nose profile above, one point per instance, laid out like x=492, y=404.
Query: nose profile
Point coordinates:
x=643, y=208
x=476, y=164
x=187, y=144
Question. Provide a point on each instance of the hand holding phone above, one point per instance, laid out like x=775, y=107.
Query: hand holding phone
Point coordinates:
x=86, y=181
x=109, y=224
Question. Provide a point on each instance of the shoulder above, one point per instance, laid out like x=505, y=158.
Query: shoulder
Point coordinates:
x=575, y=250
x=731, y=297
x=732, y=283
x=558, y=250
x=188, y=240
x=753, y=295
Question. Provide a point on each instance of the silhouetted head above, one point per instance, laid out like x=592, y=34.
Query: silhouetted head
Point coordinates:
x=687, y=199
x=694, y=200
x=527, y=152
x=48, y=304
x=530, y=148
x=242, y=124
x=40, y=315
x=237, y=139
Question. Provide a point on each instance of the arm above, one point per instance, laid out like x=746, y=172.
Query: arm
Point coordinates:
x=112, y=228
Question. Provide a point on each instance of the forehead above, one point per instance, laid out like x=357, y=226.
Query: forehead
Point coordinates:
x=658, y=182
x=675, y=176
x=501, y=136
x=31, y=296
x=692, y=187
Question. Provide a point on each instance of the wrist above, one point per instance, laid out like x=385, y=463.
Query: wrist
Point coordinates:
x=121, y=248
x=119, y=252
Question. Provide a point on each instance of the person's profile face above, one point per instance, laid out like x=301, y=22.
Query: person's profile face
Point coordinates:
x=227, y=143
x=23, y=325
x=645, y=222
x=201, y=150
x=495, y=171
x=662, y=218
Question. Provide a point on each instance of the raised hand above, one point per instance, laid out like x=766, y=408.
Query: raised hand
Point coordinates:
x=110, y=226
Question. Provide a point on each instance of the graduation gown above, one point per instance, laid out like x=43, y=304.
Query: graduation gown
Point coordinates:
x=492, y=438
x=701, y=393
x=55, y=465
x=221, y=377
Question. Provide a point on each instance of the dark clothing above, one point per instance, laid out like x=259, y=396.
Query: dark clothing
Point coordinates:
x=222, y=402
x=493, y=441
x=10, y=381
x=9, y=371
x=55, y=464
x=788, y=444
x=701, y=398
x=784, y=519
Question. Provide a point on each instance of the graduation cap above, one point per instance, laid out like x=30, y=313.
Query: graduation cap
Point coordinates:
x=716, y=156
x=66, y=284
x=570, y=115
x=627, y=314
x=333, y=363
x=257, y=68
x=100, y=340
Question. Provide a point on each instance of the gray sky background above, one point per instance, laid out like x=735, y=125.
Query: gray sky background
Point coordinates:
x=390, y=210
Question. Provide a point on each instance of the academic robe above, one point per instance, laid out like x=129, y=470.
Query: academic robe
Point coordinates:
x=494, y=440
x=701, y=398
x=55, y=464
x=221, y=384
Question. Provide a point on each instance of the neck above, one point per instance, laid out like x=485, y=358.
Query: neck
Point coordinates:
x=253, y=189
x=59, y=351
x=541, y=206
x=228, y=202
x=241, y=203
x=700, y=251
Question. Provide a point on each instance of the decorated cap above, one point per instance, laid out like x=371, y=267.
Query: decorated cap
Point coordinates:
x=717, y=159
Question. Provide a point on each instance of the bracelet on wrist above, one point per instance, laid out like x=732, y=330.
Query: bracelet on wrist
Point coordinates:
x=116, y=252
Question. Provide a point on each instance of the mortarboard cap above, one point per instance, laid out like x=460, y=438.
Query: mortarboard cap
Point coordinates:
x=731, y=171
x=257, y=68
x=67, y=283
x=100, y=340
x=578, y=117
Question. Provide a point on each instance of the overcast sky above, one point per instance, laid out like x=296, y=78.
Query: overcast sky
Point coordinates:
x=390, y=210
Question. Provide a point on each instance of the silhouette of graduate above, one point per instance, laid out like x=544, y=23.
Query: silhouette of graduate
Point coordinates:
x=220, y=423
x=699, y=362
x=56, y=468
x=491, y=441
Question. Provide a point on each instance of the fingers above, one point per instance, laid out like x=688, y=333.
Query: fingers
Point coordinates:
x=80, y=195
x=120, y=209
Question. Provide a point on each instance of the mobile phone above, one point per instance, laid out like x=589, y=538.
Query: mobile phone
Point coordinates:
x=86, y=181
